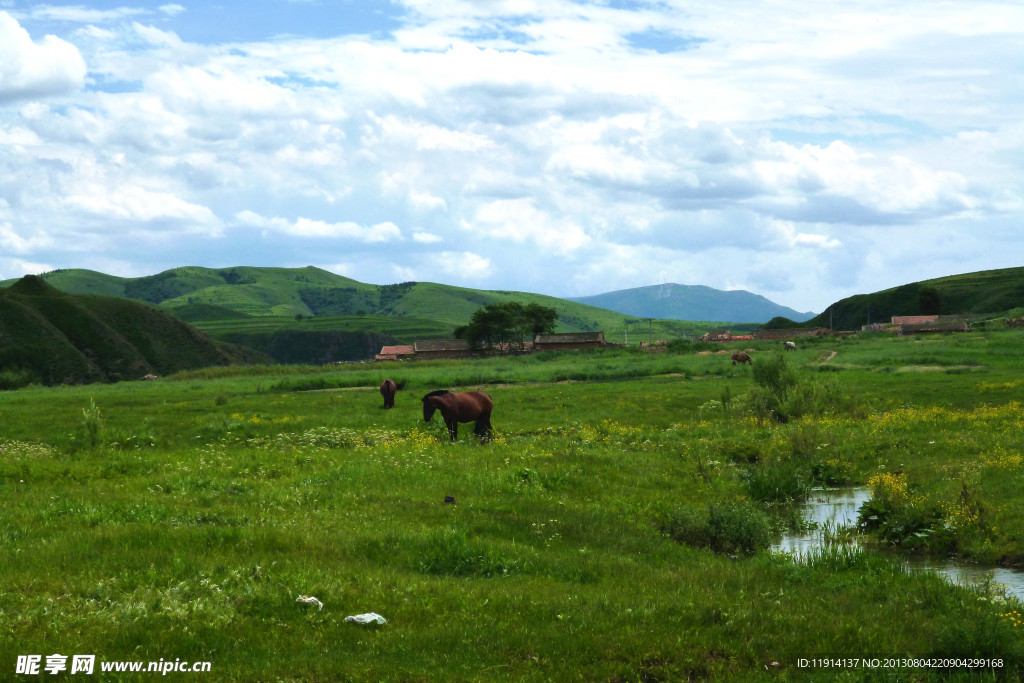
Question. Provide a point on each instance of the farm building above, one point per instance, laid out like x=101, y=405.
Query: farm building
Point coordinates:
x=791, y=333
x=914, y=319
x=459, y=348
x=929, y=328
x=920, y=324
x=395, y=352
x=569, y=340
x=717, y=335
x=443, y=348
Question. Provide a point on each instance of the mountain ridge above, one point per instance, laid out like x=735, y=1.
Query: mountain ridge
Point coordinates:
x=693, y=302
x=993, y=291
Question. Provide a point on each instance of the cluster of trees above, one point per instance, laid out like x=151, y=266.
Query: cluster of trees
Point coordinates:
x=507, y=325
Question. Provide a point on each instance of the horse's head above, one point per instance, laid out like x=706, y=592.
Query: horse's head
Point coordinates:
x=431, y=402
x=428, y=408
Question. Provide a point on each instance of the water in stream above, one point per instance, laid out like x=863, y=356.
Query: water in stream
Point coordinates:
x=838, y=507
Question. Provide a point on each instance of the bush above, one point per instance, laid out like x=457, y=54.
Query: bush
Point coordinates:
x=780, y=396
x=780, y=482
x=450, y=552
x=738, y=528
x=774, y=375
x=16, y=378
x=92, y=424
x=896, y=515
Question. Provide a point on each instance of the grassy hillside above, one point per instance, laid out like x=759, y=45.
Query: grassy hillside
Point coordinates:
x=263, y=306
x=984, y=292
x=51, y=337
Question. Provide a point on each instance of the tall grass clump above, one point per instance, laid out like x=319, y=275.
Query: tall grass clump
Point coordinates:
x=92, y=424
x=896, y=513
x=732, y=528
x=16, y=378
x=780, y=482
x=450, y=552
x=780, y=395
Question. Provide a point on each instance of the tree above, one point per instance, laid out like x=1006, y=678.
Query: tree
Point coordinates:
x=507, y=325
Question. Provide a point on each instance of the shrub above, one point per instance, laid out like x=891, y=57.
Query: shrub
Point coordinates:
x=780, y=481
x=16, y=378
x=737, y=528
x=895, y=514
x=92, y=424
x=449, y=552
x=780, y=396
x=774, y=375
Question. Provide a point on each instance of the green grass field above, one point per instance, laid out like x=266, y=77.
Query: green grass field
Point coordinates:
x=615, y=529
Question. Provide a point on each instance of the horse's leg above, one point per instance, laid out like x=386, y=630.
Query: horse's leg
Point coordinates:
x=483, y=427
x=453, y=428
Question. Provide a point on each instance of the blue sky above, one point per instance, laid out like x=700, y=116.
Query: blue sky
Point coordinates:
x=805, y=152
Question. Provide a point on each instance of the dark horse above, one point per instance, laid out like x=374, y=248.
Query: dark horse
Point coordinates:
x=387, y=390
x=741, y=358
x=456, y=407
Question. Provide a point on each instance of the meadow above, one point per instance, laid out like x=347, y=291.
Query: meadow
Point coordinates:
x=615, y=528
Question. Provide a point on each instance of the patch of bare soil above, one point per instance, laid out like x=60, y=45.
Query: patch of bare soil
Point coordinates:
x=936, y=368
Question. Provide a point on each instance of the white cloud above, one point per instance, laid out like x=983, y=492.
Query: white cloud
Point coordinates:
x=140, y=204
x=305, y=227
x=84, y=15
x=519, y=220
x=29, y=70
x=463, y=266
x=12, y=242
x=550, y=146
x=12, y=268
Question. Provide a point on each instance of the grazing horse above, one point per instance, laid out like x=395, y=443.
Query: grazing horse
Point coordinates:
x=741, y=358
x=388, y=388
x=789, y=346
x=456, y=407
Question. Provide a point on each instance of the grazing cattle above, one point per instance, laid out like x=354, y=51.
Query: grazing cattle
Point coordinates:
x=741, y=358
x=388, y=389
x=463, y=406
x=789, y=346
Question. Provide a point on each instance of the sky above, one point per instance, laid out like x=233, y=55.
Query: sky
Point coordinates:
x=802, y=151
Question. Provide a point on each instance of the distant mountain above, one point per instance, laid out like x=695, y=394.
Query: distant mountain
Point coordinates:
x=692, y=302
x=51, y=337
x=981, y=292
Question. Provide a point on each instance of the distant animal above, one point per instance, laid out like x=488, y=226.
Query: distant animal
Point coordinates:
x=741, y=358
x=388, y=388
x=462, y=406
x=789, y=346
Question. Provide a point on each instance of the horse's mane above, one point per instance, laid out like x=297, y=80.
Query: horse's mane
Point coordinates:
x=439, y=392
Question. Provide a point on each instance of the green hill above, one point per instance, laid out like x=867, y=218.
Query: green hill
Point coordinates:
x=51, y=337
x=295, y=313
x=984, y=292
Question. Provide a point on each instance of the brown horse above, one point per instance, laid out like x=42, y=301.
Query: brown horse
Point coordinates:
x=741, y=358
x=388, y=388
x=456, y=407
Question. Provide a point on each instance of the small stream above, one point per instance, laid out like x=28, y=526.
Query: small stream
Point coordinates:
x=838, y=507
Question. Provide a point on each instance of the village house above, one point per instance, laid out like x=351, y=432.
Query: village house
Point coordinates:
x=459, y=348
